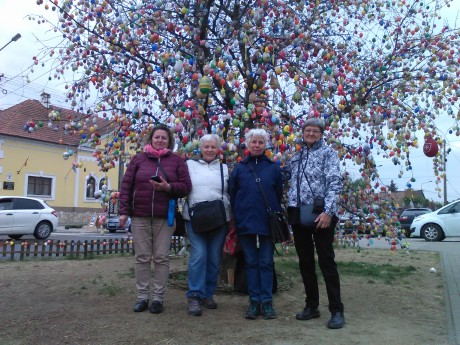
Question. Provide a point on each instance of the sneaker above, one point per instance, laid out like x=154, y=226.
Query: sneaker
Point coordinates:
x=337, y=320
x=253, y=311
x=194, y=307
x=156, y=307
x=267, y=311
x=308, y=313
x=209, y=303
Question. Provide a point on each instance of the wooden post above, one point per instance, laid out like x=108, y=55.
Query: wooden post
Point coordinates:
x=35, y=248
x=98, y=246
x=58, y=247
x=22, y=247
x=85, y=249
x=28, y=250
x=64, y=250
x=50, y=249
x=78, y=248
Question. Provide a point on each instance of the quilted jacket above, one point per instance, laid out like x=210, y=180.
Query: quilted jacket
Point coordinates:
x=137, y=197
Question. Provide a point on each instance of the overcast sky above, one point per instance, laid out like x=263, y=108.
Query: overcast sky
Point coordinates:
x=18, y=83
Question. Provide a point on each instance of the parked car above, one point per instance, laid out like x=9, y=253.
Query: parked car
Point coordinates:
x=21, y=216
x=113, y=224
x=408, y=215
x=437, y=225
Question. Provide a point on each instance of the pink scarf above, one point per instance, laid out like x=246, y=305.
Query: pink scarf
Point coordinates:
x=156, y=153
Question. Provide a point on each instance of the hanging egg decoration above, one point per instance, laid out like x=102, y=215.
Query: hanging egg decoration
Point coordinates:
x=430, y=147
x=205, y=85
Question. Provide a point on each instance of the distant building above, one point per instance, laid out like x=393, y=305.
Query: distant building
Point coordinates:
x=44, y=161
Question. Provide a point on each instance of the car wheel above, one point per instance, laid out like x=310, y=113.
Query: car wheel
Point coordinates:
x=15, y=237
x=43, y=230
x=112, y=231
x=432, y=232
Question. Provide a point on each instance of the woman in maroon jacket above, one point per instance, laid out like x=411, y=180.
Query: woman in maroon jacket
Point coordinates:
x=146, y=202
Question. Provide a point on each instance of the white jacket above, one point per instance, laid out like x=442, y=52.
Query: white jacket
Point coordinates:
x=206, y=184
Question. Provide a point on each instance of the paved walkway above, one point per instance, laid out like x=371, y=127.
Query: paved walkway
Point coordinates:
x=451, y=274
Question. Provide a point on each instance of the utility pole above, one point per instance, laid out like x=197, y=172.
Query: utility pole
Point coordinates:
x=444, y=162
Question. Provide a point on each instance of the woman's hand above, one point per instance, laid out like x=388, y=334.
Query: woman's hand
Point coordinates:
x=324, y=221
x=163, y=186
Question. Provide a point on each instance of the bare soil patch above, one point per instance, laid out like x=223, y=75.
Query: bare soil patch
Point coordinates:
x=90, y=302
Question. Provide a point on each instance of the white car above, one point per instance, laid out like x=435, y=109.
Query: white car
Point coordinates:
x=21, y=216
x=437, y=225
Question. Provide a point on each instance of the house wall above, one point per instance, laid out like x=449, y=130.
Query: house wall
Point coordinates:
x=20, y=158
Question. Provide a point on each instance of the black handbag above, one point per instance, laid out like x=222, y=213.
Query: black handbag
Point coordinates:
x=279, y=229
x=302, y=215
x=207, y=216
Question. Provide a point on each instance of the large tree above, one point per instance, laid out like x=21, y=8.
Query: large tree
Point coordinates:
x=375, y=71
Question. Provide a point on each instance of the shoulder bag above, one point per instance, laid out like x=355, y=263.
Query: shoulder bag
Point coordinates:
x=279, y=230
x=207, y=216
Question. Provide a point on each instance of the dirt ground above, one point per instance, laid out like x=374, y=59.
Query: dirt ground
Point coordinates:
x=90, y=302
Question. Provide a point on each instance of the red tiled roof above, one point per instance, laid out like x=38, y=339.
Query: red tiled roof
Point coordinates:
x=13, y=120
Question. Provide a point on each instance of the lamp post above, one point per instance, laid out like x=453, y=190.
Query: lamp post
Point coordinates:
x=14, y=39
x=421, y=186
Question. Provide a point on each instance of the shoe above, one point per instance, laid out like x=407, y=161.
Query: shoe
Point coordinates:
x=308, y=313
x=194, y=307
x=253, y=311
x=141, y=305
x=267, y=311
x=209, y=303
x=337, y=320
x=156, y=307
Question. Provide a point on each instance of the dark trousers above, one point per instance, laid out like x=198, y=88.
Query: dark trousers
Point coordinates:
x=306, y=239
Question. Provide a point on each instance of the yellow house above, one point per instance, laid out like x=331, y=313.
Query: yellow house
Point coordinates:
x=46, y=159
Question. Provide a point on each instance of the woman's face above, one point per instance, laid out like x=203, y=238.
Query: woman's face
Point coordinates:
x=160, y=139
x=256, y=145
x=209, y=150
x=311, y=134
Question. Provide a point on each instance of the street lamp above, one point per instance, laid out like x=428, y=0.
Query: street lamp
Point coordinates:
x=421, y=186
x=14, y=39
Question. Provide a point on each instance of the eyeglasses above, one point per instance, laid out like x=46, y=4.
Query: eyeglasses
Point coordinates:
x=312, y=131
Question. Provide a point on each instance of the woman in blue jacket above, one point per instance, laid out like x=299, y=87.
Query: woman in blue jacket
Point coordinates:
x=252, y=219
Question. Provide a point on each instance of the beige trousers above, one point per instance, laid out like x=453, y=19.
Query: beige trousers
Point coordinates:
x=152, y=242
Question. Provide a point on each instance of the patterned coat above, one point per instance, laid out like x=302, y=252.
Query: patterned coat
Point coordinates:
x=319, y=165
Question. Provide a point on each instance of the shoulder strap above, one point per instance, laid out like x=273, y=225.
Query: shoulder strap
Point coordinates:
x=158, y=164
x=260, y=187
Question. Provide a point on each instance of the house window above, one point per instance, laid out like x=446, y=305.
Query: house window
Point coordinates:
x=102, y=182
x=90, y=187
x=40, y=186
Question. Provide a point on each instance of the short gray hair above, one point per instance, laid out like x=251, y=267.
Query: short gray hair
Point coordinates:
x=210, y=137
x=314, y=122
x=256, y=132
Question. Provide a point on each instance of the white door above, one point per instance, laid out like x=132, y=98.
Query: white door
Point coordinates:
x=26, y=215
x=452, y=220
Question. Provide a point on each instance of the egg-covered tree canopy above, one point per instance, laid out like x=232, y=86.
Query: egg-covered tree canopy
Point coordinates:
x=375, y=71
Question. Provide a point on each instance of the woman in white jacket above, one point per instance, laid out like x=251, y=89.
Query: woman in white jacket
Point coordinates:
x=206, y=248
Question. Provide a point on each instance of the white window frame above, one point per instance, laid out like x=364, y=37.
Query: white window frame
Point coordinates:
x=44, y=197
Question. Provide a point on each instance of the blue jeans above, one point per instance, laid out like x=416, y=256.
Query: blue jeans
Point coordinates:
x=204, y=261
x=259, y=266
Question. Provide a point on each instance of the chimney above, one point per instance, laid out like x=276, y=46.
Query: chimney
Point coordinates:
x=45, y=99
